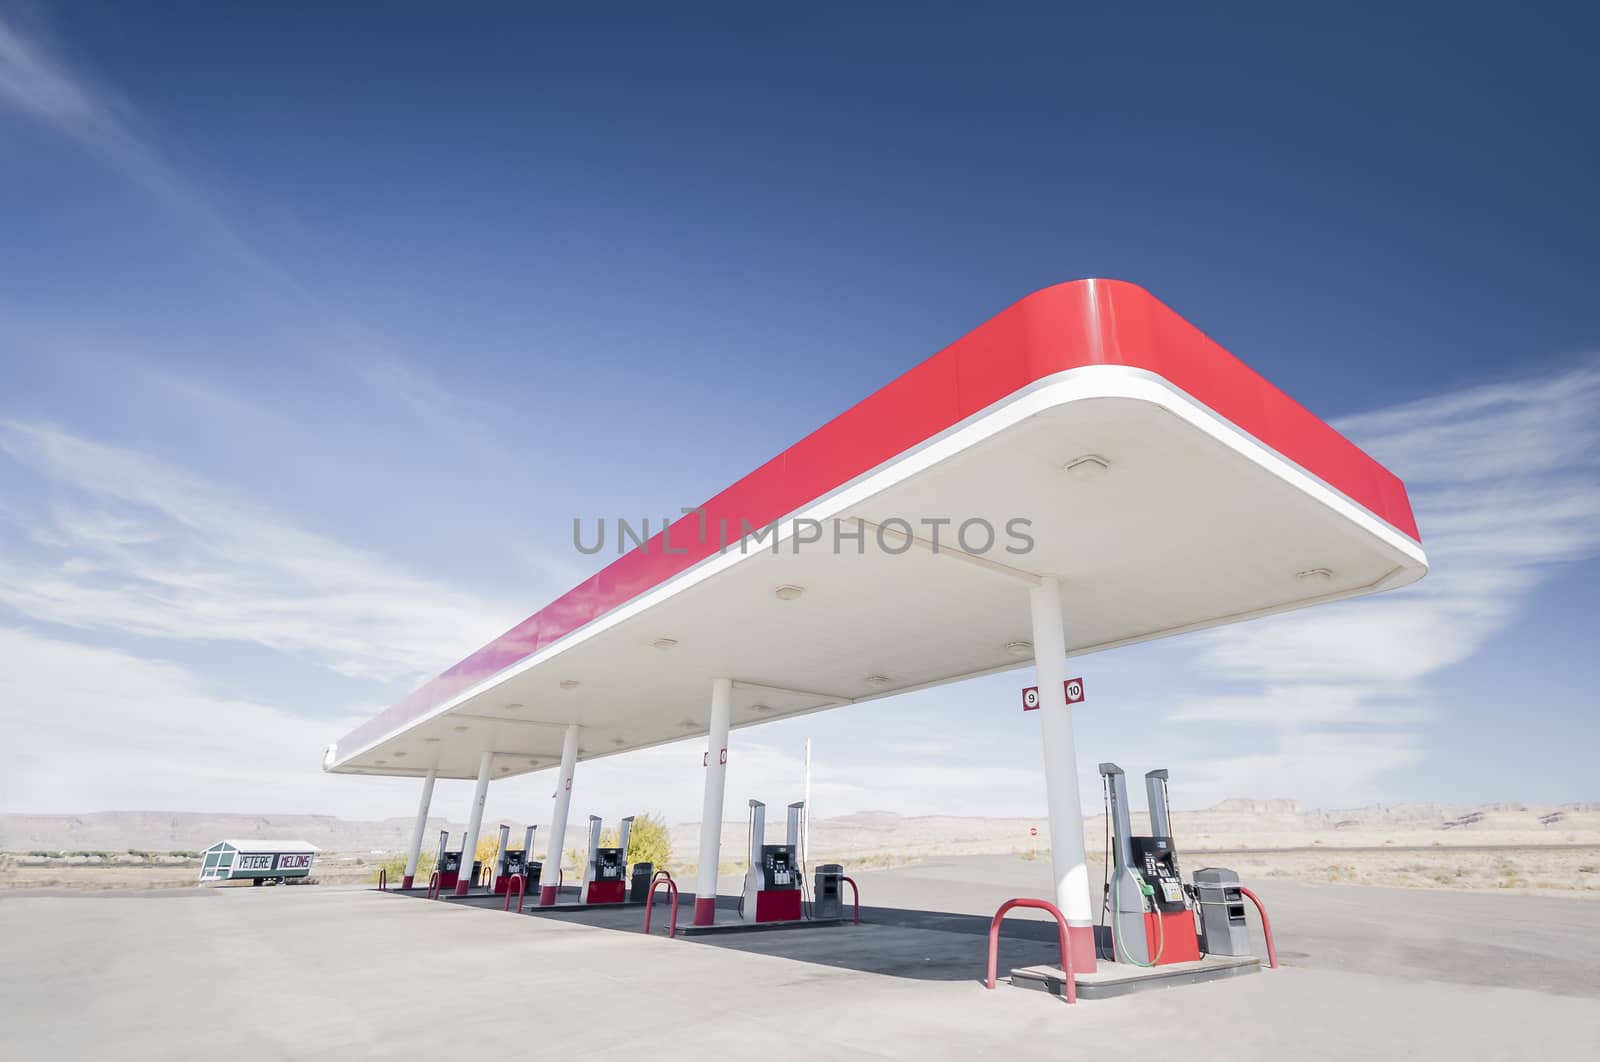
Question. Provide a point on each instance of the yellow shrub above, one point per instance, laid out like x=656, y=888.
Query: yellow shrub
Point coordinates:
x=649, y=841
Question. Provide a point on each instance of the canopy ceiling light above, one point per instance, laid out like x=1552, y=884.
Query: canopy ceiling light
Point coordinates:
x=1087, y=467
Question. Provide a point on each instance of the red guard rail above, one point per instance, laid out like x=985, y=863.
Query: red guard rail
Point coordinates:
x=855, y=895
x=433, y=886
x=383, y=879
x=519, y=883
x=1061, y=929
x=1266, y=927
x=650, y=901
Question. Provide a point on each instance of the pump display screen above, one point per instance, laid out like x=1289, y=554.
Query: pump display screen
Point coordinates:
x=608, y=864
x=778, y=862
x=1157, y=862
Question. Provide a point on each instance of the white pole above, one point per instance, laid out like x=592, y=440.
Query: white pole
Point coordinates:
x=805, y=823
x=716, y=764
x=501, y=843
x=1067, y=856
x=550, y=873
x=415, y=851
x=469, y=844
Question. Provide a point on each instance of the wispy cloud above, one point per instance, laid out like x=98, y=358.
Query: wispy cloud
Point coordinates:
x=36, y=82
x=1505, y=480
x=122, y=543
x=88, y=729
x=1322, y=703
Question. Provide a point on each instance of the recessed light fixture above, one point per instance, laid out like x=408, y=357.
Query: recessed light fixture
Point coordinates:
x=380, y=763
x=1019, y=649
x=582, y=751
x=430, y=741
x=513, y=707
x=503, y=770
x=1087, y=467
x=462, y=729
x=689, y=724
x=877, y=682
x=1315, y=575
x=399, y=755
x=789, y=592
x=569, y=684
x=663, y=643
x=618, y=742
x=761, y=707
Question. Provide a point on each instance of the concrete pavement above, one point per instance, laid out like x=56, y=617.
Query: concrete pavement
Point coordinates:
x=317, y=972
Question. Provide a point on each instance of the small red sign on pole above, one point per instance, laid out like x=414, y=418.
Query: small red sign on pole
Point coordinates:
x=1033, y=831
x=1073, y=688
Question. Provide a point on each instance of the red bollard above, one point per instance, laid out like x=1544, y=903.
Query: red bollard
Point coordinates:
x=1067, y=972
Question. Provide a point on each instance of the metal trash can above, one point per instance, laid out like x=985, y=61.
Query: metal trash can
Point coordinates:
x=827, y=896
x=639, y=886
x=1223, y=930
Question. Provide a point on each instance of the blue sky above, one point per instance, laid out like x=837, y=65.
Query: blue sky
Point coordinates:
x=317, y=330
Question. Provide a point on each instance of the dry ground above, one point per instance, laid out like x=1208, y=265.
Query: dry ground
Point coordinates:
x=121, y=871
x=1543, y=869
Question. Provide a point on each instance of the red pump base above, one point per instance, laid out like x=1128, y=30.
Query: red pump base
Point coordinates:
x=1176, y=937
x=778, y=905
x=605, y=892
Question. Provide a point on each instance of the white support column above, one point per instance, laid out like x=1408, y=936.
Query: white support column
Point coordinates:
x=550, y=873
x=469, y=844
x=716, y=763
x=501, y=843
x=1069, y=865
x=415, y=851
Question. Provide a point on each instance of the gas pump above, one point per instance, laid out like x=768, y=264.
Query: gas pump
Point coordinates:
x=772, y=879
x=513, y=862
x=605, y=875
x=1152, y=920
x=448, y=864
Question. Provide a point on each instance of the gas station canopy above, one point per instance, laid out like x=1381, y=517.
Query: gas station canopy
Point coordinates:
x=1104, y=440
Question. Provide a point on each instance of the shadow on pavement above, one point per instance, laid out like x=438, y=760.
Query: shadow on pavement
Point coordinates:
x=891, y=941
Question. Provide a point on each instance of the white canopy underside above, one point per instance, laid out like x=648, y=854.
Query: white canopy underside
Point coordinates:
x=1194, y=524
